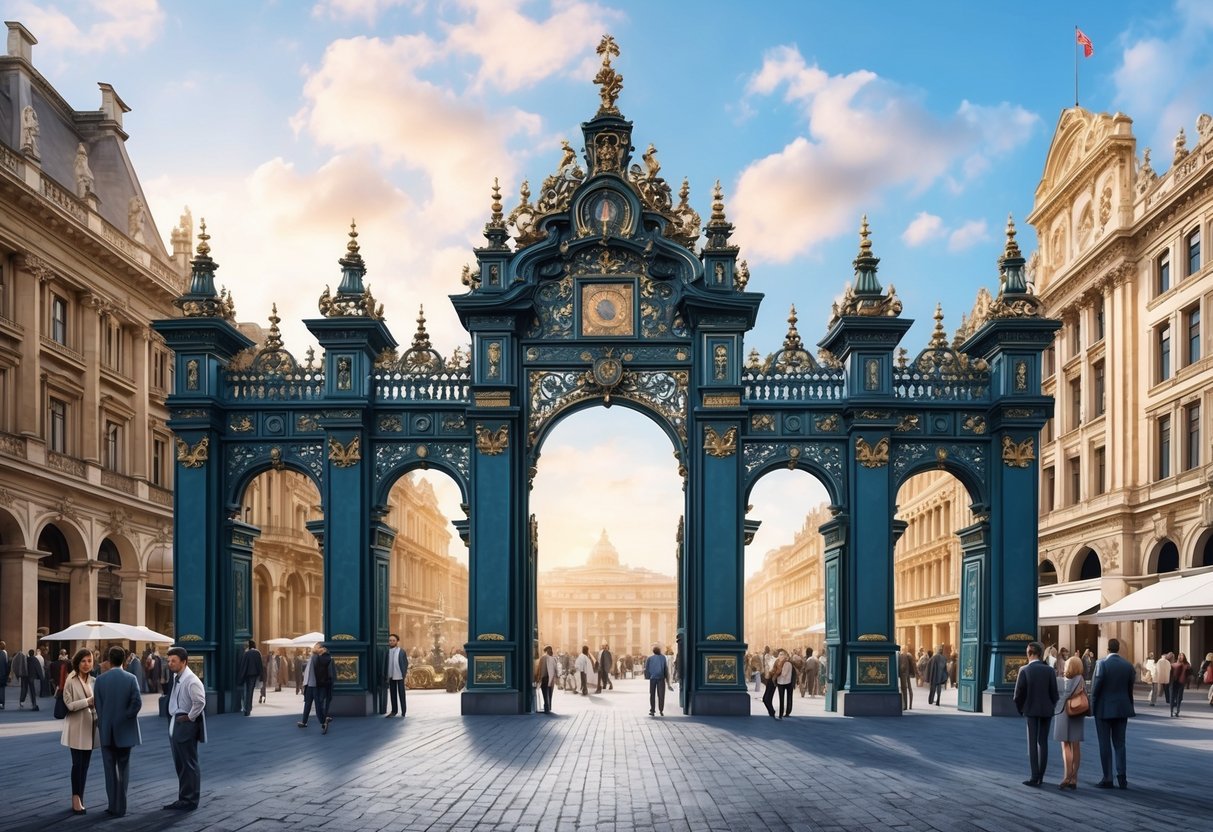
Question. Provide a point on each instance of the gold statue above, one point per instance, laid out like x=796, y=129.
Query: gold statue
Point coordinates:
x=607, y=78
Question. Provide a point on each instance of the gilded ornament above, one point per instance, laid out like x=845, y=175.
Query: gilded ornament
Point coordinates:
x=1019, y=637
x=1018, y=455
x=307, y=423
x=494, y=351
x=719, y=446
x=492, y=443
x=909, y=422
x=762, y=421
x=241, y=425
x=490, y=637
x=1019, y=413
x=391, y=424
x=872, y=456
x=196, y=456
x=976, y=424
x=609, y=81
x=344, y=456
x=873, y=637
x=276, y=458
x=827, y=424
x=722, y=637
x=722, y=400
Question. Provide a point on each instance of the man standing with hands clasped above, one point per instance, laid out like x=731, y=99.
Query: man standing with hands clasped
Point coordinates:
x=1112, y=705
x=656, y=670
x=397, y=672
x=1035, y=698
x=186, y=728
x=117, y=701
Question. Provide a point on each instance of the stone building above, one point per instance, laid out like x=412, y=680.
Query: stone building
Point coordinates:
x=628, y=607
x=429, y=586
x=86, y=461
x=784, y=600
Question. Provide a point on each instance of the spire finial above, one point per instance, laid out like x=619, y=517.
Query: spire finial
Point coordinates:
x=939, y=338
x=1012, y=249
x=273, y=341
x=497, y=219
x=717, y=205
x=204, y=248
x=421, y=339
x=684, y=193
x=865, y=238
x=609, y=81
x=792, y=340
x=352, y=245
x=865, y=263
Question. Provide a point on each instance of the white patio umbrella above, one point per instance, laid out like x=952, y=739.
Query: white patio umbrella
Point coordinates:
x=307, y=639
x=96, y=631
x=279, y=642
x=148, y=634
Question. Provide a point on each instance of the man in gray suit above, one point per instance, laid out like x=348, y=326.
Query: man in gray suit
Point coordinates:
x=186, y=728
x=1035, y=698
x=117, y=700
x=1112, y=705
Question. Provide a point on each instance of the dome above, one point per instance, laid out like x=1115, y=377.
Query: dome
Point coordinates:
x=604, y=553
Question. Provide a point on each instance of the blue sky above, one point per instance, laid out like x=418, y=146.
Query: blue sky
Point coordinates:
x=279, y=121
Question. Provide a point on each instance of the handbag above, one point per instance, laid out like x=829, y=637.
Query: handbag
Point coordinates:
x=60, y=706
x=1078, y=704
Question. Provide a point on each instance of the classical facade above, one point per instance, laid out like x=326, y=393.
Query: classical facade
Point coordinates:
x=628, y=607
x=85, y=454
x=785, y=599
x=429, y=586
x=1126, y=468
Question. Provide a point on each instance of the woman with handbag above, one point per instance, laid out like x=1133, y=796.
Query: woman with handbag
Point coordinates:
x=80, y=724
x=1068, y=715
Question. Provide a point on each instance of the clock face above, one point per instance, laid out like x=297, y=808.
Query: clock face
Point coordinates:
x=605, y=214
x=606, y=309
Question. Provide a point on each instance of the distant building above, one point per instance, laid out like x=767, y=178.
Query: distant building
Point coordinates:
x=785, y=600
x=628, y=607
x=86, y=461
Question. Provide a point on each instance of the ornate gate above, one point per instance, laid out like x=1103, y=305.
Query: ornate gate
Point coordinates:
x=607, y=297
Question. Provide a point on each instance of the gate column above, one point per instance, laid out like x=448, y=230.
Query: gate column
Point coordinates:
x=974, y=613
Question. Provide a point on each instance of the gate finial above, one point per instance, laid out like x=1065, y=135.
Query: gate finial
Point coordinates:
x=201, y=301
x=610, y=81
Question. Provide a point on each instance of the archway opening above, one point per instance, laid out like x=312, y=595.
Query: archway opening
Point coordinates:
x=1167, y=629
x=1047, y=573
x=109, y=584
x=1088, y=566
x=927, y=560
x=607, y=503
x=54, y=580
x=784, y=604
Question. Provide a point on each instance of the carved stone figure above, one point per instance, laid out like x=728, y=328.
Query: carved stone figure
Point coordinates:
x=135, y=216
x=84, y=174
x=29, y=132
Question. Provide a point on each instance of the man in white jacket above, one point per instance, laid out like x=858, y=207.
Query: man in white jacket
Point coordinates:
x=584, y=666
x=1162, y=678
x=546, y=674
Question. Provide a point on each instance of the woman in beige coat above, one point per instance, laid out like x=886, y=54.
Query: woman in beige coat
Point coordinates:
x=80, y=725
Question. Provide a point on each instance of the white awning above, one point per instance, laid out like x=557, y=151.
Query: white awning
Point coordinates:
x=1067, y=607
x=1171, y=597
x=819, y=627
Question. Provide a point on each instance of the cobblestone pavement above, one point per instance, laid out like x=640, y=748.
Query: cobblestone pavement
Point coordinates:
x=603, y=764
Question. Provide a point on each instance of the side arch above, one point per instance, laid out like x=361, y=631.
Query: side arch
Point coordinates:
x=237, y=486
x=972, y=480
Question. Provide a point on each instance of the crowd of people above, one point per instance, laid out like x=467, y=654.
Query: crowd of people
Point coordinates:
x=572, y=672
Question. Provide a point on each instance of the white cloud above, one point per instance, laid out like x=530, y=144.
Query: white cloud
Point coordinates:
x=923, y=228
x=864, y=137
x=92, y=25
x=968, y=235
x=365, y=10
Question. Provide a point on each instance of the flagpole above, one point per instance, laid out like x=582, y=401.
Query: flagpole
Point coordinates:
x=1076, y=65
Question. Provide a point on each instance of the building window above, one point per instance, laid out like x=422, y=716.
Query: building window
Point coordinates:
x=1192, y=443
x=1050, y=488
x=1164, y=447
x=113, y=346
x=1101, y=470
x=1099, y=321
x=1100, y=388
x=1163, y=273
x=1075, y=469
x=113, y=445
x=1076, y=337
x=1192, y=321
x=1048, y=431
x=58, y=320
x=159, y=370
x=159, y=449
x=1193, y=246
x=1163, y=341
x=57, y=427
x=1075, y=403
x=1050, y=361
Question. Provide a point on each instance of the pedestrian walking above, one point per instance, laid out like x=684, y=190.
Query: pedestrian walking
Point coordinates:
x=1162, y=679
x=546, y=674
x=1206, y=673
x=785, y=677
x=300, y=663
x=186, y=728
x=317, y=687
x=812, y=670
x=396, y=671
x=769, y=687
x=247, y=674
x=905, y=674
x=923, y=659
x=605, y=663
x=1181, y=671
x=44, y=668
x=5, y=667
x=585, y=666
x=1112, y=707
x=80, y=733
x=117, y=700
x=23, y=666
x=657, y=671
x=937, y=676
x=1068, y=726
x=1035, y=698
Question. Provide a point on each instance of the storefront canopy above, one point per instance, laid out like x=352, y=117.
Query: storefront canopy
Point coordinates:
x=1177, y=597
x=1067, y=607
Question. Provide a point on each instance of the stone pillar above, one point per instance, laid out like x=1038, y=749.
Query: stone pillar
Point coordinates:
x=134, y=596
x=19, y=596
x=32, y=276
x=90, y=342
x=138, y=440
x=82, y=589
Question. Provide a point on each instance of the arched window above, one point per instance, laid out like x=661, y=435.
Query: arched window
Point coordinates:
x=1168, y=559
x=52, y=540
x=1047, y=574
x=108, y=553
x=1091, y=567
x=1206, y=557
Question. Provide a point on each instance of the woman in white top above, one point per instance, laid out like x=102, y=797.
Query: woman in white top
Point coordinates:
x=80, y=725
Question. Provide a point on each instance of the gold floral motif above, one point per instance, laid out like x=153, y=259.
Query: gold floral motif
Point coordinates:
x=492, y=443
x=975, y=424
x=242, y=425
x=391, y=423
x=827, y=423
x=343, y=456
x=307, y=422
x=488, y=670
x=722, y=400
x=1019, y=413
x=344, y=637
x=609, y=81
x=722, y=637
x=722, y=670
x=1010, y=668
x=1018, y=455
x=346, y=668
x=189, y=637
x=490, y=637
x=1019, y=637
x=875, y=414
x=872, y=670
x=492, y=398
x=873, y=637
x=908, y=422
x=872, y=456
x=196, y=456
x=762, y=421
x=717, y=445
x=494, y=351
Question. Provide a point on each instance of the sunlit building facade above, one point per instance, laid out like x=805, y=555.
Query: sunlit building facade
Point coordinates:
x=785, y=600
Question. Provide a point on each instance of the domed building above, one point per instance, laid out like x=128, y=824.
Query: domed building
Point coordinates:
x=627, y=607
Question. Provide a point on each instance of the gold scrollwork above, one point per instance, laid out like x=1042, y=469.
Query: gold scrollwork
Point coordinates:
x=717, y=445
x=762, y=421
x=242, y=425
x=196, y=456
x=1011, y=666
x=1019, y=412
x=873, y=637
x=393, y=424
x=188, y=637
x=908, y=422
x=488, y=670
x=827, y=423
x=307, y=422
x=1019, y=637
x=492, y=398
x=346, y=668
x=872, y=670
x=343, y=456
x=198, y=665
x=344, y=637
x=975, y=424
x=490, y=637
x=722, y=637
x=874, y=414
x=872, y=456
x=722, y=400
x=1018, y=455
x=722, y=670
x=492, y=443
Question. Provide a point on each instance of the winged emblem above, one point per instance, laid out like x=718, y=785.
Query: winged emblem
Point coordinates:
x=343, y=456
x=196, y=456
x=717, y=445
x=872, y=456
x=491, y=443
x=1018, y=455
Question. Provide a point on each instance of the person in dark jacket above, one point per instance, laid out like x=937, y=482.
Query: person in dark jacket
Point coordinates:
x=117, y=701
x=32, y=678
x=4, y=668
x=250, y=670
x=1035, y=698
x=1112, y=706
x=318, y=687
x=937, y=676
x=1181, y=672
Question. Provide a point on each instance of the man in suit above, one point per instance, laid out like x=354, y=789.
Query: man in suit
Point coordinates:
x=32, y=679
x=937, y=676
x=606, y=663
x=1035, y=698
x=905, y=674
x=546, y=674
x=186, y=728
x=1112, y=705
x=4, y=668
x=117, y=701
x=250, y=670
x=396, y=672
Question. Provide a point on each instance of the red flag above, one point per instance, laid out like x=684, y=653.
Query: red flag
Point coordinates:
x=1087, y=48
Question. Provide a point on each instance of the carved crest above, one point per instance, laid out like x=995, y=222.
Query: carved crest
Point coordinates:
x=717, y=445
x=343, y=456
x=872, y=456
x=196, y=456
x=492, y=443
x=1018, y=455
